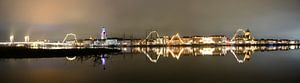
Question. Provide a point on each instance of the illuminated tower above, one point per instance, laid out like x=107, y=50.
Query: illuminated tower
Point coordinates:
x=248, y=35
x=12, y=38
x=27, y=38
x=103, y=33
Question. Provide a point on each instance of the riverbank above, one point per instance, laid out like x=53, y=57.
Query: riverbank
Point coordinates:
x=22, y=52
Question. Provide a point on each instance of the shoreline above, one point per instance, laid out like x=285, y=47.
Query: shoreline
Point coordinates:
x=23, y=52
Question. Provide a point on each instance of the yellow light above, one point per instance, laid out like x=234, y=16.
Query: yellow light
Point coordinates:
x=208, y=40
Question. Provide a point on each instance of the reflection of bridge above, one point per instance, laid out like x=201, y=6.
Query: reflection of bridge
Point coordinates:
x=177, y=52
x=96, y=59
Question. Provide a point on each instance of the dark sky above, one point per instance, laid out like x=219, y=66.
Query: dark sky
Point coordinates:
x=51, y=19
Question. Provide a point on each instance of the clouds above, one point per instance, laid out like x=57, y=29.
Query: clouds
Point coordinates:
x=190, y=17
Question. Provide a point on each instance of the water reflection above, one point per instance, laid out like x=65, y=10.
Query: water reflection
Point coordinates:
x=98, y=60
x=241, y=54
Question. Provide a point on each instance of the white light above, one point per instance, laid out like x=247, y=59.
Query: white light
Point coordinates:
x=292, y=47
x=125, y=49
x=292, y=42
x=207, y=51
x=208, y=40
x=71, y=58
x=27, y=39
x=11, y=38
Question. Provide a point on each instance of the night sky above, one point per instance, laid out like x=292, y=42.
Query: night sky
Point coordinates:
x=51, y=19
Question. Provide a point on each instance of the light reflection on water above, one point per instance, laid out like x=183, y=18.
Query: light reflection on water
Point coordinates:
x=241, y=54
x=164, y=64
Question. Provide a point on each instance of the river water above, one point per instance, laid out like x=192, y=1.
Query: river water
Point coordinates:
x=161, y=64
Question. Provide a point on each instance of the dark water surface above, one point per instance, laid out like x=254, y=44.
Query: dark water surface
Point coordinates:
x=183, y=65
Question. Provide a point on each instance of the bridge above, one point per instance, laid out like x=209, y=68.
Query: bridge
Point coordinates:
x=242, y=36
x=154, y=38
x=28, y=43
x=157, y=40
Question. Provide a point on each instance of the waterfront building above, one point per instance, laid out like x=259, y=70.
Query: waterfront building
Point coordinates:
x=27, y=38
x=215, y=39
x=87, y=42
x=126, y=42
x=111, y=42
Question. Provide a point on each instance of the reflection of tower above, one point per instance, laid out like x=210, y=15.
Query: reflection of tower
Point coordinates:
x=103, y=60
x=248, y=54
x=103, y=33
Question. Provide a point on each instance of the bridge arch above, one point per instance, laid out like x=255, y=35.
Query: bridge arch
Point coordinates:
x=67, y=36
x=71, y=58
x=247, y=56
x=176, y=36
x=246, y=33
x=149, y=35
x=154, y=60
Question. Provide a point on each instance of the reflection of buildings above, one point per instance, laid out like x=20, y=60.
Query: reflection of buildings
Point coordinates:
x=153, y=54
x=240, y=54
x=98, y=60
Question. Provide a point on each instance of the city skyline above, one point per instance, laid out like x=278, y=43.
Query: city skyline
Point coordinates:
x=52, y=19
x=125, y=41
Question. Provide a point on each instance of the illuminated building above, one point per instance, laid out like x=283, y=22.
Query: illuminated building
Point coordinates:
x=87, y=42
x=294, y=42
x=136, y=42
x=241, y=37
x=216, y=39
x=107, y=42
x=126, y=42
x=187, y=40
x=111, y=42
